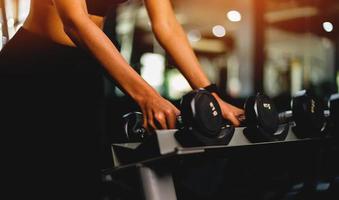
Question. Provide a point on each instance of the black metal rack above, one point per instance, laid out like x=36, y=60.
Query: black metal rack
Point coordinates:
x=241, y=170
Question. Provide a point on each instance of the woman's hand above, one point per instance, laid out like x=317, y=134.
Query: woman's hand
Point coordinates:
x=158, y=113
x=230, y=112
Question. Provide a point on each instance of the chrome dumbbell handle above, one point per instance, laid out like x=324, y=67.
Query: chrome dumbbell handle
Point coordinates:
x=285, y=117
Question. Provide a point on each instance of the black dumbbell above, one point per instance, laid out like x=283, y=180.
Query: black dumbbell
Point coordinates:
x=200, y=123
x=133, y=127
x=262, y=120
x=332, y=116
x=306, y=115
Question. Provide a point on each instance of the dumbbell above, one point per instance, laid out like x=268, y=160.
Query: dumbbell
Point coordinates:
x=261, y=123
x=262, y=120
x=332, y=116
x=133, y=127
x=306, y=115
x=200, y=122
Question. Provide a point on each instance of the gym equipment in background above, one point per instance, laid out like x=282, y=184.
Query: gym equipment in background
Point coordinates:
x=306, y=115
x=262, y=121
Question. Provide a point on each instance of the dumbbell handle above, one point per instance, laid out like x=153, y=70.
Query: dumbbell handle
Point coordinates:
x=286, y=116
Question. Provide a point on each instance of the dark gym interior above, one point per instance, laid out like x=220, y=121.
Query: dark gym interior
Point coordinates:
x=285, y=50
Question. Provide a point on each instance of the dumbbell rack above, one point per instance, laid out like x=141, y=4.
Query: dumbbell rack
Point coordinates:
x=155, y=158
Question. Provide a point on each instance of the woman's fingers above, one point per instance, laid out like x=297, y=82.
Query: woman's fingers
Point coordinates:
x=171, y=118
x=150, y=120
x=161, y=119
x=159, y=114
x=239, y=114
x=145, y=119
x=231, y=113
x=166, y=118
x=231, y=117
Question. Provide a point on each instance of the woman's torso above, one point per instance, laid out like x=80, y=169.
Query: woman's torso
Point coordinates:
x=45, y=21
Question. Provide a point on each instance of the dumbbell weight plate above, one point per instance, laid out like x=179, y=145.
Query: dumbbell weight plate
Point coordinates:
x=262, y=119
x=134, y=130
x=201, y=110
x=334, y=115
x=267, y=114
x=308, y=115
x=203, y=120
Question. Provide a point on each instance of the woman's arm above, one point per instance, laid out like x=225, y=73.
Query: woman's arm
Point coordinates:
x=172, y=37
x=84, y=33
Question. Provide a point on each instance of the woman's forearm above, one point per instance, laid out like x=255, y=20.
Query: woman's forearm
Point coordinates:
x=87, y=35
x=173, y=38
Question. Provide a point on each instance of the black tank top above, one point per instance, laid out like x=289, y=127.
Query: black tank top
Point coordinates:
x=100, y=7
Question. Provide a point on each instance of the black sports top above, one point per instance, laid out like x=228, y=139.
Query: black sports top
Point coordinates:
x=100, y=7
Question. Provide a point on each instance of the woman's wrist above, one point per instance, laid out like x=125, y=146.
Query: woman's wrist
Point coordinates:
x=213, y=88
x=143, y=94
x=200, y=83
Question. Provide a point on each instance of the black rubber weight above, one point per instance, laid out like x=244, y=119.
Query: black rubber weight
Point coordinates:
x=308, y=114
x=262, y=119
x=207, y=116
x=267, y=114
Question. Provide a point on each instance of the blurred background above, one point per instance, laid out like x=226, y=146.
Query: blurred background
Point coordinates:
x=273, y=46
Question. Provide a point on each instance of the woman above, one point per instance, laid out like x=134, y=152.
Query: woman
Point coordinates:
x=50, y=80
